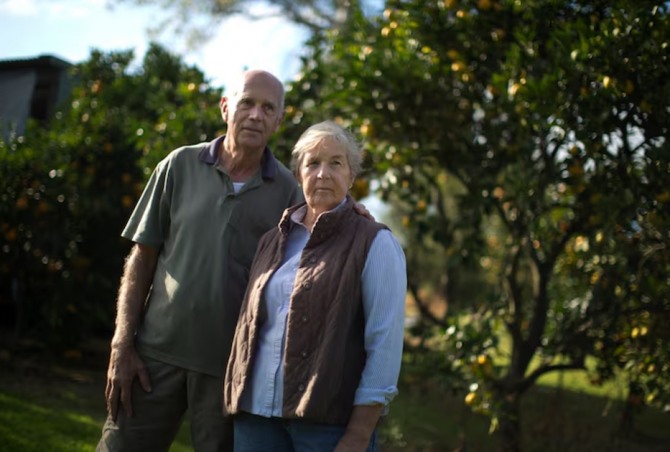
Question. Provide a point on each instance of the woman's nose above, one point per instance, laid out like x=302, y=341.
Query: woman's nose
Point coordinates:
x=323, y=172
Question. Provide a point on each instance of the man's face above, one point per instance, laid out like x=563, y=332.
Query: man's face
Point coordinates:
x=254, y=112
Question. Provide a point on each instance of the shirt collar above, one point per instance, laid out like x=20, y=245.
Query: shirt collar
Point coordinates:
x=298, y=215
x=209, y=155
x=327, y=224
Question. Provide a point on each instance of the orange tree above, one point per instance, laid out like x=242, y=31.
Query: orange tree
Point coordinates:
x=551, y=120
x=67, y=187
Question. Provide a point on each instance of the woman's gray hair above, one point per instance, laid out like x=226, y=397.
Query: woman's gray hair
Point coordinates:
x=327, y=130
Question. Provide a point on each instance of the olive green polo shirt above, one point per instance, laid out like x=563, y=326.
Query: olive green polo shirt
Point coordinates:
x=207, y=236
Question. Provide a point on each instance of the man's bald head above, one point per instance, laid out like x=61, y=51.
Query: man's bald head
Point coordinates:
x=257, y=76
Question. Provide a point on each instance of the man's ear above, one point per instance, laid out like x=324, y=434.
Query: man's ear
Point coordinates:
x=280, y=118
x=223, y=105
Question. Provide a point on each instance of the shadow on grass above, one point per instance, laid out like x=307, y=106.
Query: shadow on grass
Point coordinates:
x=38, y=414
x=59, y=406
x=56, y=404
x=29, y=425
x=426, y=417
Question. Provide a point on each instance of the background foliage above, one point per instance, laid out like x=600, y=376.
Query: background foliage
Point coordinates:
x=68, y=189
x=522, y=147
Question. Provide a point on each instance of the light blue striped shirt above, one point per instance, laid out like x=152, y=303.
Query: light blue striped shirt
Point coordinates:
x=384, y=285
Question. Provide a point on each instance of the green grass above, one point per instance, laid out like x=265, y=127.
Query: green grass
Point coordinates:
x=51, y=408
x=28, y=425
x=65, y=418
x=45, y=407
x=425, y=417
x=564, y=412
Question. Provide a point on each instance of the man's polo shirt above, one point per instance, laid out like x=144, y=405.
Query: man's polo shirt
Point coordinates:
x=207, y=236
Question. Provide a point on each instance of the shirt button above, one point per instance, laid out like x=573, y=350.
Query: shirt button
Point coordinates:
x=304, y=319
x=304, y=354
x=301, y=387
x=307, y=285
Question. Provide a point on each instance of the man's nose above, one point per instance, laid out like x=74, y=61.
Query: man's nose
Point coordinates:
x=256, y=112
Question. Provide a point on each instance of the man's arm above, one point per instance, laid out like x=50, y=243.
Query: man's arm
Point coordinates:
x=124, y=362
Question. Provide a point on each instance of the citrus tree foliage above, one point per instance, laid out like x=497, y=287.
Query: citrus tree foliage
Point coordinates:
x=67, y=188
x=529, y=141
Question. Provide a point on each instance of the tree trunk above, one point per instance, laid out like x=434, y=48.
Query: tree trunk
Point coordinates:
x=634, y=402
x=18, y=300
x=509, y=422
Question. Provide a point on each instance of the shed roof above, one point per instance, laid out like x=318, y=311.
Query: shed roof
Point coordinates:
x=41, y=61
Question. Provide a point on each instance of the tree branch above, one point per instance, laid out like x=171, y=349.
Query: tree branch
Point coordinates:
x=537, y=373
x=423, y=309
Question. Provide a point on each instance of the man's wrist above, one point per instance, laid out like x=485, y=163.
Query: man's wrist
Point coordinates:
x=123, y=343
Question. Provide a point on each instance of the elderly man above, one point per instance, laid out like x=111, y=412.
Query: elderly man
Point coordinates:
x=195, y=230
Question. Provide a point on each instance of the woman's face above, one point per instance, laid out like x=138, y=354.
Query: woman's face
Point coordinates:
x=325, y=175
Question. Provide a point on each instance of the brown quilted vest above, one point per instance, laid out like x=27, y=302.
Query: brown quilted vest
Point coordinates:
x=324, y=350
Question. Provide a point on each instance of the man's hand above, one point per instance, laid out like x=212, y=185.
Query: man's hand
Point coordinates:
x=363, y=211
x=124, y=365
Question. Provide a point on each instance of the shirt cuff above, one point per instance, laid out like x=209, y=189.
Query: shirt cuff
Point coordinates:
x=371, y=396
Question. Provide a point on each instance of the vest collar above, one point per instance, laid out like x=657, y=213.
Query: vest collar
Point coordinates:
x=327, y=224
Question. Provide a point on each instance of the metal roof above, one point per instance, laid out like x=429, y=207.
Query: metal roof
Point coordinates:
x=41, y=61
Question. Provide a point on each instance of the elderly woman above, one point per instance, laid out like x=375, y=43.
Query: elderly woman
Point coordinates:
x=318, y=345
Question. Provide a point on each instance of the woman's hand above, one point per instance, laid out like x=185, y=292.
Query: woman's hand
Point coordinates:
x=360, y=428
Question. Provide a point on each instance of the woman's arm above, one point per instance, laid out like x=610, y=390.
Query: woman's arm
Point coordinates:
x=384, y=286
x=359, y=430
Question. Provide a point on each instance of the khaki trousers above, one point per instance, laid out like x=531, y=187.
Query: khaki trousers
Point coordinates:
x=157, y=415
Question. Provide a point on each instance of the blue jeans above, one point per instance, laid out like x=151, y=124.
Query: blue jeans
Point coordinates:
x=260, y=434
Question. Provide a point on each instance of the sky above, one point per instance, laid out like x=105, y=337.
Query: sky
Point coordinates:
x=69, y=29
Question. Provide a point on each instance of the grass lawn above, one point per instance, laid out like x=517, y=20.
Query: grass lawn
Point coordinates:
x=57, y=405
